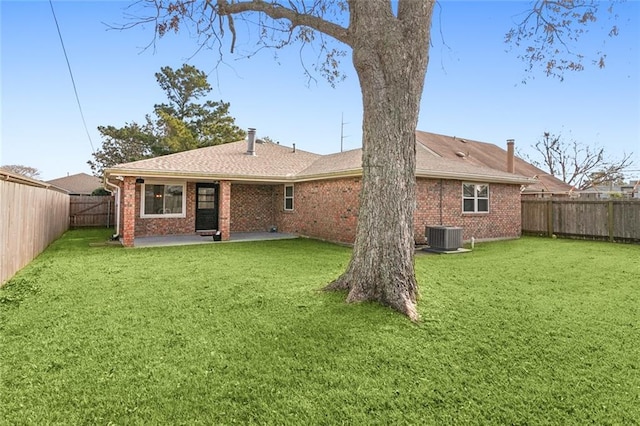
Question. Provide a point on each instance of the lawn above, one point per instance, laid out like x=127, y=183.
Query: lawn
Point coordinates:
x=531, y=331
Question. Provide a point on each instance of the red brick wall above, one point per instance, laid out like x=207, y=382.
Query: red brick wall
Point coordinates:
x=329, y=210
x=128, y=189
x=252, y=208
x=322, y=209
x=224, y=209
x=502, y=221
x=145, y=227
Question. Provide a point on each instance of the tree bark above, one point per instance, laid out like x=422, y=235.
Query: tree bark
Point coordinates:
x=391, y=66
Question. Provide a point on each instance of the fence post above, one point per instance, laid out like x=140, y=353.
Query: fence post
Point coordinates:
x=550, y=218
x=610, y=219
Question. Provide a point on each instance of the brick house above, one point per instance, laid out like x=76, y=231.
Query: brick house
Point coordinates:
x=251, y=186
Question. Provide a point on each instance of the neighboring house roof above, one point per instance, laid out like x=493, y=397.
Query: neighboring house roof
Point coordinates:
x=603, y=188
x=278, y=163
x=491, y=156
x=627, y=187
x=78, y=184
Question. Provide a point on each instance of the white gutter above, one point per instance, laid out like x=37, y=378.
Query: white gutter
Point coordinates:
x=434, y=174
x=117, y=198
x=476, y=177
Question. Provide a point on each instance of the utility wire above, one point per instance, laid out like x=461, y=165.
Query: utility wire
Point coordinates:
x=73, y=82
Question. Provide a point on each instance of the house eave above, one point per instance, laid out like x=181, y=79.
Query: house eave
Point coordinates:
x=475, y=177
x=357, y=172
x=173, y=174
x=330, y=175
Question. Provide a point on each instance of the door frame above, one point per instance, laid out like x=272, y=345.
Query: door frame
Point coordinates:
x=216, y=186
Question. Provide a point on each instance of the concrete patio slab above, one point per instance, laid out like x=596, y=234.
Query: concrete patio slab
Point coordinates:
x=181, y=240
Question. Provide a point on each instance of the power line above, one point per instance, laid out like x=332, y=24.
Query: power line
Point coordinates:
x=73, y=82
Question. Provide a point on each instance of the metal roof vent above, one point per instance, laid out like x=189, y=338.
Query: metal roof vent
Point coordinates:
x=461, y=154
x=251, y=141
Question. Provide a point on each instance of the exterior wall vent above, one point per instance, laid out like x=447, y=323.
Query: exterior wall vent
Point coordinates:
x=444, y=237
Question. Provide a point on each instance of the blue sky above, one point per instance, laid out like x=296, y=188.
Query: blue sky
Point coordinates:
x=473, y=86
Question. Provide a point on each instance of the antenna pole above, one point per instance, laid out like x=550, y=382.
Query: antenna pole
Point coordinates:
x=341, y=130
x=342, y=136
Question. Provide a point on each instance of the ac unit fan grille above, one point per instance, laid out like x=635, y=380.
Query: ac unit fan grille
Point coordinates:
x=444, y=237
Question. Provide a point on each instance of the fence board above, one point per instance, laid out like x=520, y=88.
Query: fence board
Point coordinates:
x=93, y=211
x=626, y=219
x=30, y=219
x=534, y=216
x=614, y=220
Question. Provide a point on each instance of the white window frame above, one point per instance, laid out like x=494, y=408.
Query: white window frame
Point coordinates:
x=290, y=197
x=475, y=198
x=163, y=215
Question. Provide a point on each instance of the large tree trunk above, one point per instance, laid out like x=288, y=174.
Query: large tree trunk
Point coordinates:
x=391, y=66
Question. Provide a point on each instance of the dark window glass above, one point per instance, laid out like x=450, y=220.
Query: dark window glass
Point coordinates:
x=468, y=205
x=163, y=199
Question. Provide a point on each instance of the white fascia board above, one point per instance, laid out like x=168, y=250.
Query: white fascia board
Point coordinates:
x=155, y=174
x=475, y=177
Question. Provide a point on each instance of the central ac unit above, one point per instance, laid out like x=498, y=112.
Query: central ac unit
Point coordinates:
x=444, y=237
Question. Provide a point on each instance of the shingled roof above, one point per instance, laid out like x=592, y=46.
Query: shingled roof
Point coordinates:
x=491, y=156
x=78, y=184
x=227, y=161
x=278, y=163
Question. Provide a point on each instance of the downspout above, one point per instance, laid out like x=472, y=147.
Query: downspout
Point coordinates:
x=441, y=196
x=117, y=197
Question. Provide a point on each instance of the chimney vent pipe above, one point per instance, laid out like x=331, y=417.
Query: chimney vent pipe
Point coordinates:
x=510, y=155
x=251, y=141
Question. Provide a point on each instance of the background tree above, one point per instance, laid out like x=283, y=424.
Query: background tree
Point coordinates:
x=577, y=164
x=187, y=124
x=125, y=144
x=181, y=124
x=100, y=192
x=389, y=43
x=26, y=171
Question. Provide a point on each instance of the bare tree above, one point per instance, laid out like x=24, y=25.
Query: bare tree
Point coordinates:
x=389, y=43
x=577, y=164
x=550, y=28
x=30, y=172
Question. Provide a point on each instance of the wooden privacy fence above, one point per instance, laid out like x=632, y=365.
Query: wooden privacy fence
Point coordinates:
x=31, y=217
x=91, y=211
x=612, y=220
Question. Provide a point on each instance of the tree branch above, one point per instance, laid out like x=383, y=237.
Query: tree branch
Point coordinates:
x=277, y=11
x=549, y=28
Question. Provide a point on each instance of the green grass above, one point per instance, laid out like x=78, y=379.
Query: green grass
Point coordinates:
x=532, y=331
